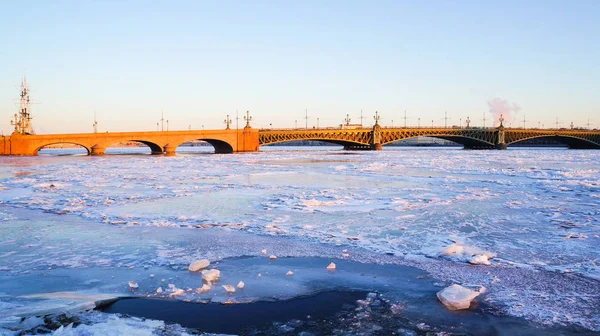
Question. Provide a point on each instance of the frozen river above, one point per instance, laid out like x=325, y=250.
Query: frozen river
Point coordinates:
x=402, y=223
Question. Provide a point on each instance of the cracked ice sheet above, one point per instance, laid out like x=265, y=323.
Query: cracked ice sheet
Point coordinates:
x=521, y=205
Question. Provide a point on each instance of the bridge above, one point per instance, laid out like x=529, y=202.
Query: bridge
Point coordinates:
x=249, y=139
x=23, y=141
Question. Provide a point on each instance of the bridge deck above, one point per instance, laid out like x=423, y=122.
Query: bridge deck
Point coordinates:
x=248, y=139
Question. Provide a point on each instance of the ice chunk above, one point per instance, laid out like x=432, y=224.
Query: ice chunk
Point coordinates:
x=272, y=257
x=264, y=251
x=453, y=249
x=481, y=259
x=159, y=290
x=133, y=285
x=575, y=235
x=289, y=273
x=457, y=297
x=212, y=275
x=331, y=266
x=31, y=322
x=205, y=288
x=229, y=288
x=177, y=292
x=241, y=285
x=199, y=265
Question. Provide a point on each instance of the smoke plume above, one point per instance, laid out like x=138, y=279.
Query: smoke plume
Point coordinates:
x=500, y=107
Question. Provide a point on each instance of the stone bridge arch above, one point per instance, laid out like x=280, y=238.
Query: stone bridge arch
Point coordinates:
x=86, y=147
x=100, y=148
x=220, y=146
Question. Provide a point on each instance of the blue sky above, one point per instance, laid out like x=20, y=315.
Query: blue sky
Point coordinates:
x=199, y=61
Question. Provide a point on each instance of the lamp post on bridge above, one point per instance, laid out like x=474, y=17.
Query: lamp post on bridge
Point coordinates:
x=95, y=123
x=296, y=127
x=227, y=122
x=167, y=125
x=347, y=120
x=376, y=117
x=306, y=119
x=157, y=127
x=419, y=122
x=468, y=122
x=392, y=123
x=248, y=118
x=431, y=123
x=317, y=122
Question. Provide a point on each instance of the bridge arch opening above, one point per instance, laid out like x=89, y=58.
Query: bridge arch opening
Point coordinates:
x=446, y=140
x=134, y=147
x=318, y=142
x=201, y=146
x=313, y=143
x=423, y=141
x=571, y=142
x=63, y=148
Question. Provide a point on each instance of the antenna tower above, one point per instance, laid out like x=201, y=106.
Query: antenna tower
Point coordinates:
x=22, y=120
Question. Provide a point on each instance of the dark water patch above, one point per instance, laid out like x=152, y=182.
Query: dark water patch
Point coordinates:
x=237, y=318
x=329, y=313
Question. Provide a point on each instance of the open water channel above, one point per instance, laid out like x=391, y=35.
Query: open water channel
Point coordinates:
x=400, y=225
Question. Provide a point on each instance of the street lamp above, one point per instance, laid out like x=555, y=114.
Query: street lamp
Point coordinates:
x=296, y=124
x=317, y=123
x=419, y=122
x=167, y=125
x=157, y=127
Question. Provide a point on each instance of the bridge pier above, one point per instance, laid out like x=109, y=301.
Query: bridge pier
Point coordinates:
x=97, y=150
x=500, y=137
x=170, y=150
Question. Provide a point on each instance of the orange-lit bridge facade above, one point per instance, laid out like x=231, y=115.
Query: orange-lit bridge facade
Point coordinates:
x=250, y=140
